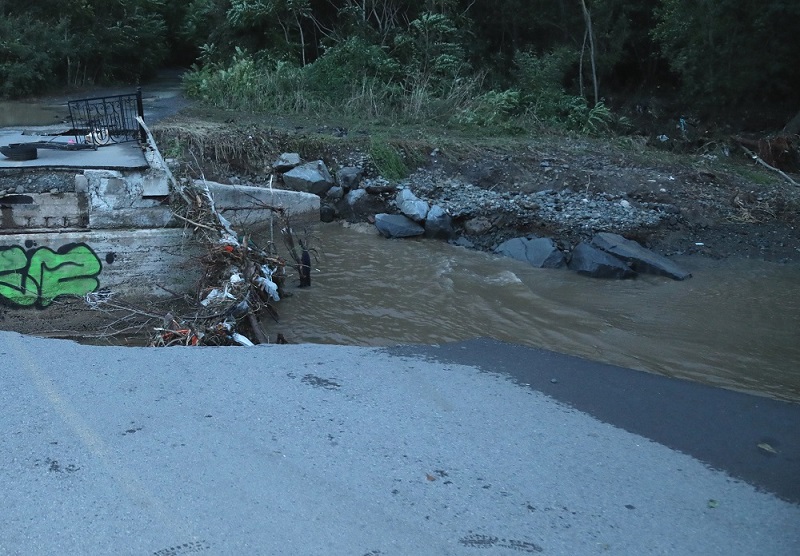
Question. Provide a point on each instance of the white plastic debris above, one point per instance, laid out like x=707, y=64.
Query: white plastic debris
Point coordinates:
x=268, y=286
x=236, y=278
x=216, y=295
x=241, y=340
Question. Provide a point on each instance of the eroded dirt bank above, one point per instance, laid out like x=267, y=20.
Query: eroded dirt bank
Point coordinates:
x=715, y=202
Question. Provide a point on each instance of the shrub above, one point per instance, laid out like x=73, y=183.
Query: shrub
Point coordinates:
x=29, y=55
x=492, y=109
x=249, y=85
x=349, y=66
x=590, y=121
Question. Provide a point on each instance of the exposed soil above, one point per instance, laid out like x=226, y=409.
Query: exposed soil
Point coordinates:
x=714, y=201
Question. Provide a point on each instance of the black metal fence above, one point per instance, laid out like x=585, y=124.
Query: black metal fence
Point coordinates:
x=105, y=120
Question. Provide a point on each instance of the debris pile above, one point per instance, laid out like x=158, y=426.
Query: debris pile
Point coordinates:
x=239, y=287
x=240, y=283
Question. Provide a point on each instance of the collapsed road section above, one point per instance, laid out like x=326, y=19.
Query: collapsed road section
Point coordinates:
x=109, y=221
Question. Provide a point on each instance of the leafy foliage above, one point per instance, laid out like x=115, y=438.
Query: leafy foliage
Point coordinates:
x=731, y=50
x=503, y=64
x=79, y=42
x=249, y=85
x=333, y=72
x=492, y=109
x=28, y=56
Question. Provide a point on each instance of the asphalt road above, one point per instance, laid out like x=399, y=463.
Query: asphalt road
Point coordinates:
x=334, y=450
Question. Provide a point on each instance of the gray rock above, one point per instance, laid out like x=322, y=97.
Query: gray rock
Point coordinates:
x=477, y=226
x=286, y=162
x=439, y=224
x=591, y=261
x=335, y=193
x=327, y=213
x=539, y=252
x=397, y=225
x=312, y=177
x=357, y=205
x=411, y=205
x=640, y=259
x=349, y=177
x=353, y=197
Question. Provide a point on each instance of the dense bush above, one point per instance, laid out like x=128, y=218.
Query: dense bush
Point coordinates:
x=29, y=57
x=46, y=44
x=471, y=62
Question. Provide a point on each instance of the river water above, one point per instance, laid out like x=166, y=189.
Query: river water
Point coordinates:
x=735, y=324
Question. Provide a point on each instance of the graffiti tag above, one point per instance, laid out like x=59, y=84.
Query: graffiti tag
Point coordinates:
x=35, y=277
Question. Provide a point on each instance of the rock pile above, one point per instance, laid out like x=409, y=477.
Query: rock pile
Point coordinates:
x=447, y=208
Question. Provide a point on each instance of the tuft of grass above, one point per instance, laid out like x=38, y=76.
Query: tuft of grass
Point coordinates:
x=460, y=102
x=176, y=148
x=755, y=175
x=387, y=159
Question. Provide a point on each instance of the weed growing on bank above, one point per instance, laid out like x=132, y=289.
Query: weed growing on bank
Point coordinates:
x=387, y=160
x=361, y=83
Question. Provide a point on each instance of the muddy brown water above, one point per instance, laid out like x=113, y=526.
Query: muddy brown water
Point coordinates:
x=735, y=324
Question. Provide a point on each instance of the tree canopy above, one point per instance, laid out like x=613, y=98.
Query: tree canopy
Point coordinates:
x=711, y=52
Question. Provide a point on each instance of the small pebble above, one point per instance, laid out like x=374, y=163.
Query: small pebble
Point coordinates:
x=554, y=381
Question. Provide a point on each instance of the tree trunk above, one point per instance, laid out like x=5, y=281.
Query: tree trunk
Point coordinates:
x=588, y=18
x=580, y=64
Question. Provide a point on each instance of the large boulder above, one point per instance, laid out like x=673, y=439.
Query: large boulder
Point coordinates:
x=397, y=225
x=591, y=261
x=358, y=205
x=313, y=177
x=411, y=205
x=640, y=259
x=539, y=252
x=439, y=224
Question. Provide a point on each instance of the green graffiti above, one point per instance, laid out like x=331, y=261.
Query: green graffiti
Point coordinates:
x=35, y=277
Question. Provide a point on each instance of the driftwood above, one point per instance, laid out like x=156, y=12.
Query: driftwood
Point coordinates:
x=240, y=280
x=758, y=159
x=778, y=153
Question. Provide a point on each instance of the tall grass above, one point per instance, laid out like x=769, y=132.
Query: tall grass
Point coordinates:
x=316, y=90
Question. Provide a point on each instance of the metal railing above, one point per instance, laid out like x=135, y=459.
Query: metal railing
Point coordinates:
x=106, y=120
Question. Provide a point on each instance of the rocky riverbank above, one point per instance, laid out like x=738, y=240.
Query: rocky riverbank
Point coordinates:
x=716, y=203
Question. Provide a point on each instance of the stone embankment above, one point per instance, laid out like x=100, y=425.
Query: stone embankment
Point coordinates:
x=481, y=218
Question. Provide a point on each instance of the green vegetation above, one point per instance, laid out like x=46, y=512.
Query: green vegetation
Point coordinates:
x=387, y=159
x=499, y=65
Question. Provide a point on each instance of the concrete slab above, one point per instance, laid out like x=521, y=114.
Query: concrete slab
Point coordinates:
x=116, y=156
x=249, y=207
